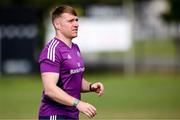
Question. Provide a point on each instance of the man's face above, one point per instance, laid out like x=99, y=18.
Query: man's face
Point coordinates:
x=68, y=25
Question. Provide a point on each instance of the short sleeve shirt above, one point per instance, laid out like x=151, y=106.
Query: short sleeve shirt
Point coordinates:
x=59, y=58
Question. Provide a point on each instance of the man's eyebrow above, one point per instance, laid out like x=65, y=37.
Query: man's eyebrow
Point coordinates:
x=72, y=19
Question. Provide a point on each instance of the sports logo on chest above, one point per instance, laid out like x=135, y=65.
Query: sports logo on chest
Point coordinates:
x=78, y=54
x=68, y=56
x=73, y=62
x=78, y=64
x=77, y=70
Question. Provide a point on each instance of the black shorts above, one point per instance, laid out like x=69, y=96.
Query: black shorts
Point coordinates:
x=56, y=117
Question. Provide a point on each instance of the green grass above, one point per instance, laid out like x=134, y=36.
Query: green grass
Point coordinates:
x=20, y=96
x=148, y=96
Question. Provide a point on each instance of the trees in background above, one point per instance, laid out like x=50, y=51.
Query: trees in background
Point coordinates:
x=172, y=17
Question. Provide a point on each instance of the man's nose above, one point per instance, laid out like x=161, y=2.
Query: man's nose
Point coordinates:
x=76, y=24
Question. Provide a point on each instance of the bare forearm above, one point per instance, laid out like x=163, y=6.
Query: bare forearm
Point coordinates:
x=53, y=91
x=58, y=95
x=85, y=86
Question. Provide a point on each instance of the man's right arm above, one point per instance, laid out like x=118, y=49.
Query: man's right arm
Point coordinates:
x=51, y=90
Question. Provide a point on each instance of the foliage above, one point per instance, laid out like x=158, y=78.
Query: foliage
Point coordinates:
x=173, y=13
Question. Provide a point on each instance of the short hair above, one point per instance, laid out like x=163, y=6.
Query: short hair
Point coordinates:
x=58, y=11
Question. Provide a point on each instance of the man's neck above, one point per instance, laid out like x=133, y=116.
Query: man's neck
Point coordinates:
x=68, y=42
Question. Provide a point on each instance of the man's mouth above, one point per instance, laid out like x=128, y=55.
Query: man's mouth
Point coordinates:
x=75, y=30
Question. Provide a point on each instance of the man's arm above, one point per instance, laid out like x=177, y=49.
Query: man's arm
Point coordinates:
x=97, y=87
x=85, y=86
x=51, y=90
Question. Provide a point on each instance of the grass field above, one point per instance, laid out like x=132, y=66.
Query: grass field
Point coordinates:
x=144, y=96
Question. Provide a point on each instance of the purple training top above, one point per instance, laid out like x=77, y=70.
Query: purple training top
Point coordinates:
x=59, y=58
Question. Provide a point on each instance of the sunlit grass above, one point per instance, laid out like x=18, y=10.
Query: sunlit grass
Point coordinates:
x=144, y=96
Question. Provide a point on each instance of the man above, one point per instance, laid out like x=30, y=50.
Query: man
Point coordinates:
x=62, y=67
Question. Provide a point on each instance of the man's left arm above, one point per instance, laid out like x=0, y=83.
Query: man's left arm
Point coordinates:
x=97, y=87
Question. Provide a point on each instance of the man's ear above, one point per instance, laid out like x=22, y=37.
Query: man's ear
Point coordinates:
x=57, y=24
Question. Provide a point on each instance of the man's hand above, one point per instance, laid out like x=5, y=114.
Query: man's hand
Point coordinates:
x=98, y=88
x=86, y=108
